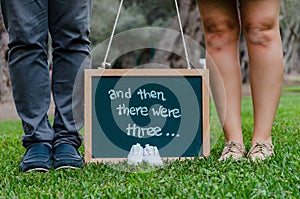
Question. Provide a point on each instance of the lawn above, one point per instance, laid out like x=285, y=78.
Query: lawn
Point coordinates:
x=293, y=89
x=278, y=177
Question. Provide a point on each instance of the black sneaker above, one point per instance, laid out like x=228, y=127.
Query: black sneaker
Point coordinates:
x=37, y=158
x=66, y=156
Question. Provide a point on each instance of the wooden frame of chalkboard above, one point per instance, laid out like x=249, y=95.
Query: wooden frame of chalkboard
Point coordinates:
x=100, y=126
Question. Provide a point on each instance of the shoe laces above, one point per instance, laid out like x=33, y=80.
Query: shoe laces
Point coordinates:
x=150, y=150
x=233, y=147
x=136, y=149
x=265, y=149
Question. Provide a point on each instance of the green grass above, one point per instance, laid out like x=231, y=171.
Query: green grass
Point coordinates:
x=292, y=89
x=277, y=177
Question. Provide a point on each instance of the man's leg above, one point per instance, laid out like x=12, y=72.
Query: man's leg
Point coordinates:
x=69, y=28
x=27, y=25
x=260, y=21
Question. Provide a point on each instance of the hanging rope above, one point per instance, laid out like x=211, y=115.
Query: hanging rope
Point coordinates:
x=106, y=64
x=182, y=35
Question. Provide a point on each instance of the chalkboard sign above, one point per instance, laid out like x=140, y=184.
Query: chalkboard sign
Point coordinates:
x=167, y=108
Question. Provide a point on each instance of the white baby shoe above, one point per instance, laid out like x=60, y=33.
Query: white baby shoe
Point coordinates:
x=151, y=156
x=135, y=155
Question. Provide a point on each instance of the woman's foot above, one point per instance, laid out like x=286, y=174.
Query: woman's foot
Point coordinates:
x=233, y=150
x=260, y=151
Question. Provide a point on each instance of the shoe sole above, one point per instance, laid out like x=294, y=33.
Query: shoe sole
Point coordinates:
x=37, y=170
x=66, y=167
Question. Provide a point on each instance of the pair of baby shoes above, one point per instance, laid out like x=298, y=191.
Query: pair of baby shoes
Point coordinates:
x=149, y=154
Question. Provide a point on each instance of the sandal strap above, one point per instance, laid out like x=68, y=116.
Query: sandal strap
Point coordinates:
x=234, y=150
x=233, y=147
x=266, y=149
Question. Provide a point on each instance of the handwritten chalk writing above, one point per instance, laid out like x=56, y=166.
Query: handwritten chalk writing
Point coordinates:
x=164, y=112
x=158, y=111
x=141, y=110
x=113, y=94
x=140, y=132
x=151, y=95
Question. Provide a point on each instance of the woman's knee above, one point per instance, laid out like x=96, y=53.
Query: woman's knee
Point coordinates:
x=261, y=32
x=220, y=32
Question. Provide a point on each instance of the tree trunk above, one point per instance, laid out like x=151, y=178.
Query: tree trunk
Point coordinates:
x=290, y=47
x=192, y=26
x=5, y=86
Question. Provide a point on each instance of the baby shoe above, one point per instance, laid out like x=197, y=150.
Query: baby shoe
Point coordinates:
x=151, y=156
x=135, y=155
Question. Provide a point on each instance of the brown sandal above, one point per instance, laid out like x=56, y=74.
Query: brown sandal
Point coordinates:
x=233, y=150
x=260, y=151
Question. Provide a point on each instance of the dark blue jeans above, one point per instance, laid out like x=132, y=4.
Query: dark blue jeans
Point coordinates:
x=28, y=23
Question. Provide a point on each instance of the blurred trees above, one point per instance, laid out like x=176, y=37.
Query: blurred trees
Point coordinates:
x=290, y=31
x=103, y=18
x=134, y=14
x=156, y=12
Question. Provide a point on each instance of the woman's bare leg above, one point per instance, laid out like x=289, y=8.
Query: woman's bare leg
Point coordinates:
x=260, y=23
x=222, y=30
